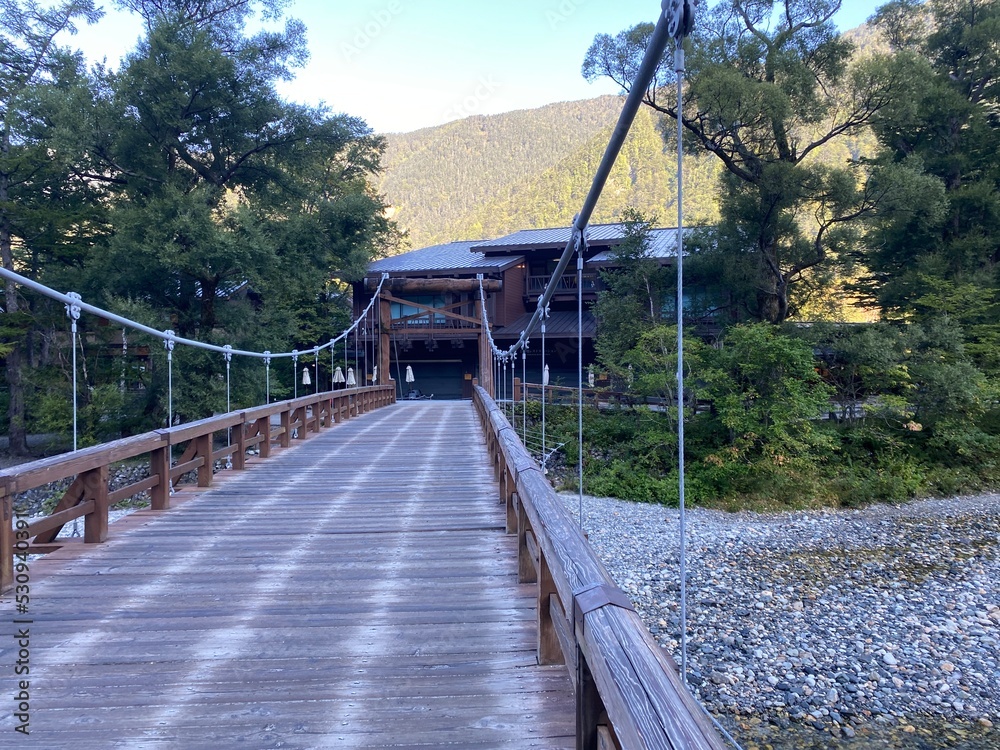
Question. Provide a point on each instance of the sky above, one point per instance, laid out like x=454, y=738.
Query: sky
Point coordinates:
x=402, y=65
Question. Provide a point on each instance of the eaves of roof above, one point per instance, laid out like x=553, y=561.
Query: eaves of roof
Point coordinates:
x=447, y=259
x=560, y=325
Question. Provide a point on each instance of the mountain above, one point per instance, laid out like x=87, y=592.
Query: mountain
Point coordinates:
x=489, y=175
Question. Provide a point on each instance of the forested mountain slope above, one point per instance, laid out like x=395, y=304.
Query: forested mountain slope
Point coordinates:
x=485, y=176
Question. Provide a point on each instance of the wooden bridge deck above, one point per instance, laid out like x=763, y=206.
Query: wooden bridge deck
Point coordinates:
x=357, y=590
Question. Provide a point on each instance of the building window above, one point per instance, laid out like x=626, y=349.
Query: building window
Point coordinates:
x=417, y=316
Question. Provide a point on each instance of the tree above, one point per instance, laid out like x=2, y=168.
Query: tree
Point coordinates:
x=229, y=187
x=769, y=84
x=766, y=395
x=937, y=252
x=633, y=297
x=40, y=206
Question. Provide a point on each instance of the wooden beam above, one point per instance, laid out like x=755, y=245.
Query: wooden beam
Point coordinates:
x=384, y=327
x=7, y=542
x=442, y=284
x=444, y=311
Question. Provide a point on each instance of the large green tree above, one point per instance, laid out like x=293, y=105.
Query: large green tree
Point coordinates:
x=768, y=85
x=47, y=206
x=938, y=251
x=228, y=186
x=632, y=299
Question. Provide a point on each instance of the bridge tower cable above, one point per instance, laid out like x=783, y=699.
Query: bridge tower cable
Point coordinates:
x=680, y=14
x=73, y=313
x=513, y=404
x=228, y=356
x=168, y=344
x=267, y=377
x=545, y=382
x=524, y=392
x=580, y=250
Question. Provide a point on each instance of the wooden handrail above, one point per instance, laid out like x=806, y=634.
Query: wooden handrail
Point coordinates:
x=628, y=691
x=89, y=496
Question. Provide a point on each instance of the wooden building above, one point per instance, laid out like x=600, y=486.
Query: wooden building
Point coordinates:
x=430, y=306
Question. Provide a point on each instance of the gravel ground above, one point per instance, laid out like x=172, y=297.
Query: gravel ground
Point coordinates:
x=877, y=627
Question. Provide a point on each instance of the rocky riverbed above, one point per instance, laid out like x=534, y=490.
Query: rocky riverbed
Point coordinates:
x=873, y=628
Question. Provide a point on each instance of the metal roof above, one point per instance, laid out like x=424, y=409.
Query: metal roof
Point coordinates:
x=450, y=257
x=560, y=325
x=662, y=245
x=663, y=242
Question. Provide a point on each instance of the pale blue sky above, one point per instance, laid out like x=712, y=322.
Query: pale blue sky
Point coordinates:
x=407, y=64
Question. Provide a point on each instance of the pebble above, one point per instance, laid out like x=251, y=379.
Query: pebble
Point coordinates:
x=887, y=614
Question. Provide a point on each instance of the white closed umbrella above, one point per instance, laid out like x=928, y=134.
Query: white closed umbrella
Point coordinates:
x=306, y=380
x=590, y=376
x=545, y=375
x=351, y=382
x=375, y=375
x=409, y=374
x=338, y=376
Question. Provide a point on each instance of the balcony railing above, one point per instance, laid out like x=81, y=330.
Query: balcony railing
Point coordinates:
x=567, y=283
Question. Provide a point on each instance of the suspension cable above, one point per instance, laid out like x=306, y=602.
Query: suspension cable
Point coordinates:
x=229, y=430
x=68, y=299
x=579, y=346
x=73, y=313
x=679, y=70
x=168, y=344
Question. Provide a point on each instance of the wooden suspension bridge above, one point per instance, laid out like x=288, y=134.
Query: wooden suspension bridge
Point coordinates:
x=351, y=587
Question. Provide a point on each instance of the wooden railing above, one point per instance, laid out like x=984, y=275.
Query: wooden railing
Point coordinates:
x=628, y=690
x=568, y=395
x=89, y=496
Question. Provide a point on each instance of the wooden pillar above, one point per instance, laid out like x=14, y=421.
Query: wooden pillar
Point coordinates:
x=385, y=328
x=95, y=487
x=7, y=542
x=239, y=455
x=204, y=449
x=549, y=650
x=286, y=428
x=525, y=552
x=517, y=389
x=589, y=709
x=485, y=360
x=264, y=431
x=159, y=466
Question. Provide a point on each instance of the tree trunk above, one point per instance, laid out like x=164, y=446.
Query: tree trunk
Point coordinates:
x=16, y=429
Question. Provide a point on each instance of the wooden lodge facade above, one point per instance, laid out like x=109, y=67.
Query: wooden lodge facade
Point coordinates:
x=431, y=311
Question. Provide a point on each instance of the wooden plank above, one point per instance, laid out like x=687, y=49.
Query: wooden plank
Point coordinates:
x=133, y=489
x=36, y=473
x=201, y=427
x=70, y=498
x=57, y=520
x=358, y=590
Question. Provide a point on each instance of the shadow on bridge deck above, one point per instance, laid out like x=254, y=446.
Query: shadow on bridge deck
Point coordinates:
x=357, y=590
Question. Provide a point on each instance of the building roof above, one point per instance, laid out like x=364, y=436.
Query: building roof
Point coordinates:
x=491, y=256
x=447, y=258
x=560, y=325
x=663, y=242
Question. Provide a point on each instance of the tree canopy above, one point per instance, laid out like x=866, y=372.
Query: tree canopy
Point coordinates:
x=181, y=188
x=768, y=85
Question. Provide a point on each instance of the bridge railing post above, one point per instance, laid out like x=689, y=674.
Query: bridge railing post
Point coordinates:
x=95, y=523
x=159, y=467
x=7, y=540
